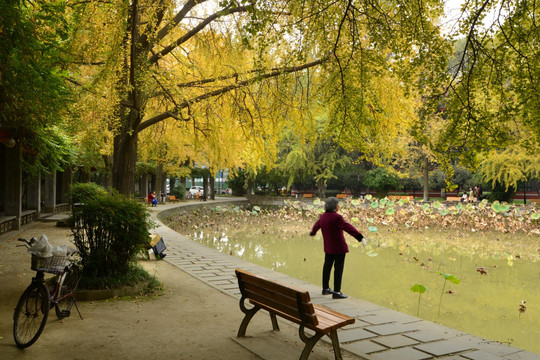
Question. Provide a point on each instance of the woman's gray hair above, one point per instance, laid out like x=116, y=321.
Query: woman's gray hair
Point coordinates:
x=331, y=204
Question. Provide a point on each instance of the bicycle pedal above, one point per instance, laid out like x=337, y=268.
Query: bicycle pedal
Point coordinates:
x=65, y=313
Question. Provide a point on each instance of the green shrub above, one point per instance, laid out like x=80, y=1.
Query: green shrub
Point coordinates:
x=330, y=193
x=499, y=192
x=109, y=231
x=81, y=192
x=381, y=181
x=179, y=191
x=237, y=183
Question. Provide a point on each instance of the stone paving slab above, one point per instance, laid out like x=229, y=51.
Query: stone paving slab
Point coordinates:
x=363, y=347
x=379, y=333
x=406, y=353
x=395, y=341
x=444, y=347
x=480, y=355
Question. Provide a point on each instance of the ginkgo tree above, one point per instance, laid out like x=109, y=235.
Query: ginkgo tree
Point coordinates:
x=142, y=59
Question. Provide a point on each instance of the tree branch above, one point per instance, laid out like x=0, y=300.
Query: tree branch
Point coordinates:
x=194, y=31
x=179, y=17
x=186, y=103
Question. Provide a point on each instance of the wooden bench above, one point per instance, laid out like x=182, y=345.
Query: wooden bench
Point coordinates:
x=341, y=196
x=400, y=197
x=533, y=201
x=291, y=304
x=173, y=198
x=307, y=195
x=458, y=199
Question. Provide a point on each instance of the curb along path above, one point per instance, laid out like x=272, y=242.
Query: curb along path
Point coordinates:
x=378, y=333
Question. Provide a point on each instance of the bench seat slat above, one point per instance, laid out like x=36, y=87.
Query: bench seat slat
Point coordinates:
x=280, y=302
x=312, y=319
x=330, y=319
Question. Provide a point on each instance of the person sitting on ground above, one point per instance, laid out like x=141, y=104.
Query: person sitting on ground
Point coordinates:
x=464, y=197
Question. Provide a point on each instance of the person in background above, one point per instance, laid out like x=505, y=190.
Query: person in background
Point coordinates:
x=332, y=226
x=152, y=199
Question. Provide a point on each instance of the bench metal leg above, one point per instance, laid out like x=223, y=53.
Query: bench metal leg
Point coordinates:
x=275, y=325
x=335, y=345
x=309, y=341
x=243, y=326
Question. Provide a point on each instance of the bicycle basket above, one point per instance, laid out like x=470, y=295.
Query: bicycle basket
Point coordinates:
x=53, y=264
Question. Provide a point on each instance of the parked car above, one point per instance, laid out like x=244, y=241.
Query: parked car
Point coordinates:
x=223, y=191
x=194, y=189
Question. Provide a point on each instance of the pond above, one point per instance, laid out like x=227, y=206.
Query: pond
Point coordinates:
x=484, y=282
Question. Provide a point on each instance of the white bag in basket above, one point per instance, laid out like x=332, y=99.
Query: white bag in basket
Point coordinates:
x=43, y=249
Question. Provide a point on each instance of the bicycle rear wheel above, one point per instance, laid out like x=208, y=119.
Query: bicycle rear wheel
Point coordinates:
x=31, y=315
x=66, y=295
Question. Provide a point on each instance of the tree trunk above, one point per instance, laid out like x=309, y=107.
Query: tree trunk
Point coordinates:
x=320, y=188
x=172, y=183
x=212, y=187
x=123, y=170
x=205, y=187
x=426, y=178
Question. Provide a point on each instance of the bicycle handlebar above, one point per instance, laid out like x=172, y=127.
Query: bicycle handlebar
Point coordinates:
x=28, y=243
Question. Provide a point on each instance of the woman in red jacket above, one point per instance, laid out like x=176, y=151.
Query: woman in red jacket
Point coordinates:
x=332, y=226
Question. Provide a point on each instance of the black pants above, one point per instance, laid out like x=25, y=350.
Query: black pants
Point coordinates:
x=338, y=262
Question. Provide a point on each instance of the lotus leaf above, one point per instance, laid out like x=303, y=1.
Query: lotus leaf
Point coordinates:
x=383, y=201
x=373, y=229
x=355, y=219
x=437, y=204
x=372, y=254
x=391, y=203
x=505, y=208
x=369, y=220
x=317, y=201
x=369, y=197
x=535, y=216
x=374, y=205
x=401, y=202
x=390, y=211
x=451, y=278
x=443, y=212
x=355, y=202
x=426, y=207
x=419, y=288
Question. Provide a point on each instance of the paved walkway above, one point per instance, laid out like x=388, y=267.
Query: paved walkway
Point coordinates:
x=378, y=333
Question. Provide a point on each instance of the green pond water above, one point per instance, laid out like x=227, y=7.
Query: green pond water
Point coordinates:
x=487, y=305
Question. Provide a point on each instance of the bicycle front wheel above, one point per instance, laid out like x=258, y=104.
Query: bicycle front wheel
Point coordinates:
x=66, y=295
x=31, y=315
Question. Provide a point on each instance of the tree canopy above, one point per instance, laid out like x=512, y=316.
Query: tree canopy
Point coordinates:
x=219, y=82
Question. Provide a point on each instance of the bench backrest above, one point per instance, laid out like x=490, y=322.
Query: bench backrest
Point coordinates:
x=288, y=302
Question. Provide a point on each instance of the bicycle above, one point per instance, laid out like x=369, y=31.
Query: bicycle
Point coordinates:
x=37, y=300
